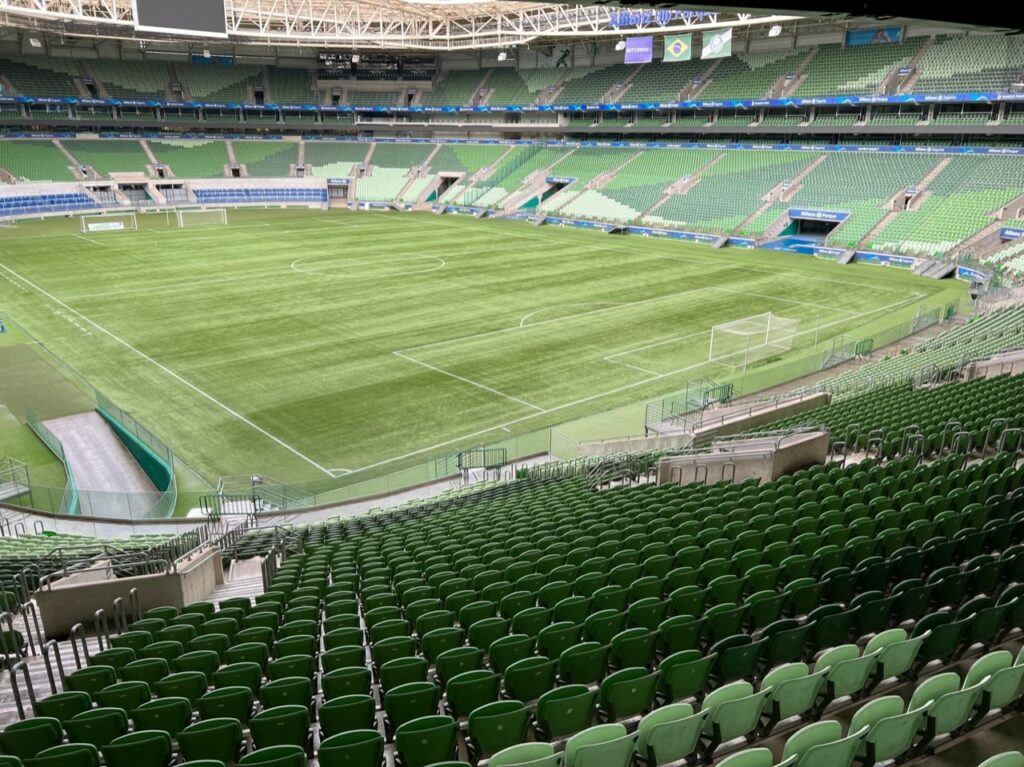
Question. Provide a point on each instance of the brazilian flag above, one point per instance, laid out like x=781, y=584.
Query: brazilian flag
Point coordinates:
x=678, y=48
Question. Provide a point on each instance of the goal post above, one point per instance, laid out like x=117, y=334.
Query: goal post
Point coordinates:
x=108, y=222
x=201, y=217
x=738, y=343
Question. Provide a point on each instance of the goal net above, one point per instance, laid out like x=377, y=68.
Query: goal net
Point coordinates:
x=202, y=217
x=738, y=343
x=109, y=222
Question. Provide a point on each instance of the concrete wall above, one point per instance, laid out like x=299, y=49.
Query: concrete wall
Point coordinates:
x=757, y=416
x=70, y=602
x=1011, y=363
x=753, y=459
x=100, y=528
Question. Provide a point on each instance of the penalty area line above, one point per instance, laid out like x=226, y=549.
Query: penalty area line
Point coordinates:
x=469, y=381
x=168, y=371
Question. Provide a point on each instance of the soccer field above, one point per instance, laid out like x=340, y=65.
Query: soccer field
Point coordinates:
x=304, y=345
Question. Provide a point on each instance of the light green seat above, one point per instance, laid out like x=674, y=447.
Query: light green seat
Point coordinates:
x=891, y=730
x=1007, y=759
x=532, y=754
x=605, y=745
x=896, y=653
x=947, y=706
x=734, y=711
x=669, y=734
x=846, y=671
x=794, y=691
x=1003, y=682
x=822, y=745
x=753, y=757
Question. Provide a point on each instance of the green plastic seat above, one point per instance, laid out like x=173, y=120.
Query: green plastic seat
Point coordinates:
x=353, y=748
x=669, y=734
x=890, y=730
x=287, y=691
x=218, y=738
x=27, y=737
x=605, y=745
x=822, y=745
x=565, y=710
x=626, y=693
x=275, y=756
x=470, y=690
x=425, y=741
x=584, y=663
x=240, y=674
x=532, y=754
x=280, y=726
x=62, y=706
x=684, y=674
x=794, y=692
x=847, y=672
x=410, y=701
x=752, y=757
x=529, y=678
x=496, y=726
x=458, y=660
x=90, y=680
x=352, y=680
x=896, y=654
x=1007, y=759
x=292, y=665
x=97, y=726
x=505, y=651
x=633, y=648
x=171, y=715
x=142, y=748
x=401, y=671
x=226, y=702
x=206, y=661
x=346, y=713
x=124, y=695
x=734, y=711
x=946, y=706
x=66, y=755
x=190, y=685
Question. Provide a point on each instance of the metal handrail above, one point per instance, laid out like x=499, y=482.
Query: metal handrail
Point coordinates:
x=53, y=647
x=77, y=635
x=23, y=668
x=148, y=564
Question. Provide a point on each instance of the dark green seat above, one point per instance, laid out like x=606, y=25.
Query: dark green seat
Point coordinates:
x=27, y=737
x=684, y=675
x=626, y=693
x=470, y=690
x=142, y=748
x=287, y=691
x=275, y=756
x=401, y=671
x=281, y=726
x=355, y=748
x=171, y=715
x=529, y=678
x=240, y=674
x=184, y=684
x=426, y=741
x=408, y=702
x=97, y=726
x=206, y=661
x=351, y=680
x=347, y=713
x=564, y=711
x=63, y=705
x=292, y=665
x=219, y=738
x=125, y=695
x=494, y=726
x=90, y=680
x=66, y=755
x=232, y=702
x=585, y=663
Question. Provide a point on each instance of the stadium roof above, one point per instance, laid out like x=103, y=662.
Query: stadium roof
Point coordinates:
x=430, y=25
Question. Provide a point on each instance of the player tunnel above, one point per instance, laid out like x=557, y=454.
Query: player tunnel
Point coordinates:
x=813, y=224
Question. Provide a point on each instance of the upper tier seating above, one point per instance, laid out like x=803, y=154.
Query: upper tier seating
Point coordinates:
x=109, y=156
x=588, y=85
x=192, y=158
x=750, y=75
x=659, y=82
x=861, y=69
x=132, y=79
x=291, y=86
x=508, y=87
x=267, y=158
x=976, y=63
x=215, y=82
x=455, y=88
x=334, y=159
x=40, y=76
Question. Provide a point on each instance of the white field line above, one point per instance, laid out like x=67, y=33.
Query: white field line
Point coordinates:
x=436, y=369
x=87, y=239
x=589, y=398
x=169, y=372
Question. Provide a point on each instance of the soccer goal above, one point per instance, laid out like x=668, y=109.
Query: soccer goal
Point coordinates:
x=202, y=217
x=109, y=222
x=738, y=343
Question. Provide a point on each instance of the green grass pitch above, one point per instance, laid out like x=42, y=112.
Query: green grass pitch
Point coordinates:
x=302, y=344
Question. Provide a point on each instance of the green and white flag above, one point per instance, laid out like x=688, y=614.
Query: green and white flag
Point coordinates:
x=717, y=45
x=678, y=48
